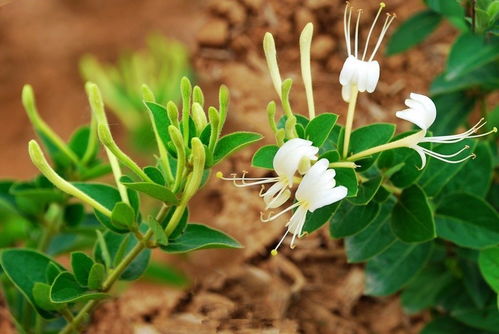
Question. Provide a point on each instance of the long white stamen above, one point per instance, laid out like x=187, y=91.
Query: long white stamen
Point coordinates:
x=349, y=48
x=457, y=138
x=274, y=251
x=347, y=37
x=270, y=218
x=243, y=179
x=357, y=34
x=381, y=6
x=445, y=155
x=386, y=25
x=275, y=198
x=437, y=156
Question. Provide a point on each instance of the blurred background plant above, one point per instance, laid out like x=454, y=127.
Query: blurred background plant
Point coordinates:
x=160, y=66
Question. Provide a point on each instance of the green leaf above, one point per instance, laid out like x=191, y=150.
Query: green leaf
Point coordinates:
x=105, y=195
x=114, y=243
x=476, y=286
x=24, y=268
x=423, y=290
x=52, y=271
x=485, y=78
x=454, y=109
x=412, y=218
x=406, y=159
x=489, y=266
x=369, y=136
x=319, y=217
x=413, y=31
x=467, y=221
x=123, y=216
x=438, y=173
x=347, y=177
x=160, y=120
x=74, y=214
x=374, y=239
x=159, y=233
x=351, y=219
x=96, y=276
x=154, y=190
x=155, y=174
x=485, y=319
x=66, y=289
x=469, y=52
x=200, y=237
x=319, y=128
x=447, y=325
x=179, y=230
x=41, y=295
x=36, y=193
x=264, y=157
x=79, y=141
x=81, y=264
x=231, y=143
x=366, y=191
x=449, y=8
x=395, y=267
x=476, y=175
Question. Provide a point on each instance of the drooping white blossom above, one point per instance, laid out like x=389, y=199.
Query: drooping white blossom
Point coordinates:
x=360, y=70
x=422, y=112
x=316, y=190
x=292, y=157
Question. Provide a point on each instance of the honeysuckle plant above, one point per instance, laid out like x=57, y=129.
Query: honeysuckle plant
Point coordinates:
x=418, y=207
x=104, y=227
x=160, y=66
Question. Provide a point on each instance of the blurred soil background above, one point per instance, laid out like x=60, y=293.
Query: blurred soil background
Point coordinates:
x=308, y=290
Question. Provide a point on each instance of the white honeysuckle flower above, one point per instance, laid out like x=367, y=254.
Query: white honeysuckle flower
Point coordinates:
x=316, y=190
x=422, y=112
x=359, y=71
x=289, y=159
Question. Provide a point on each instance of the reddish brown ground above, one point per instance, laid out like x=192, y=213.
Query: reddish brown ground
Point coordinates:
x=308, y=290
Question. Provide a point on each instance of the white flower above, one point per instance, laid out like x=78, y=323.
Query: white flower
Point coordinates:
x=359, y=71
x=316, y=189
x=422, y=112
x=293, y=156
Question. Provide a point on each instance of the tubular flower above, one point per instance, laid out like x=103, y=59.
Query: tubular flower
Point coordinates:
x=360, y=72
x=295, y=155
x=422, y=112
x=316, y=189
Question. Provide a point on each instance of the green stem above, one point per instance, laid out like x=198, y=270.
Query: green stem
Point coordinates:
x=114, y=276
x=177, y=215
x=350, y=116
x=343, y=164
x=403, y=142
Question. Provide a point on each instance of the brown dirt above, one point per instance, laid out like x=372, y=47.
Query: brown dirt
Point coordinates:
x=308, y=290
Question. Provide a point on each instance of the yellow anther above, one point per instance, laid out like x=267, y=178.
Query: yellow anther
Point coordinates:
x=382, y=4
x=219, y=174
x=273, y=252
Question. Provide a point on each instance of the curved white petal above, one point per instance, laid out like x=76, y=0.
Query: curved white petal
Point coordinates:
x=289, y=155
x=348, y=70
x=422, y=155
x=279, y=200
x=346, y=92
x=421, y=112
x=308, y=184
x=372, y=76
x=328, y=197
x=362, y=76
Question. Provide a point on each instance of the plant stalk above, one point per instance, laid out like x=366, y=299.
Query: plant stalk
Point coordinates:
x=115, y=275
x=350, y=116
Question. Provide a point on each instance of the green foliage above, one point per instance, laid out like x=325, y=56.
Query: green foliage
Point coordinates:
x=198, y=236
x=412, y=219
x=121, y=241
x=413, y=31
x=159, y=68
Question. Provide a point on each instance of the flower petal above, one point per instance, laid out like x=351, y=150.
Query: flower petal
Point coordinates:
x=372, y=76
x=348, y=70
